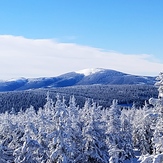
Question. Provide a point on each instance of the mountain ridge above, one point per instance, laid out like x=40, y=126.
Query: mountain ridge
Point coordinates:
x=82, y=77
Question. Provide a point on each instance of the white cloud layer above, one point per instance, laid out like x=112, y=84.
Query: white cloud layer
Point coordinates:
x=22, y=57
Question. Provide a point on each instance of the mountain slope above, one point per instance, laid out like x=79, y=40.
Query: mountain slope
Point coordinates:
x=83, y=77
x=105, y=76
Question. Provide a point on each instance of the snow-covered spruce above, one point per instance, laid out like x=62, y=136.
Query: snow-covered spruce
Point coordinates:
x=58, y=133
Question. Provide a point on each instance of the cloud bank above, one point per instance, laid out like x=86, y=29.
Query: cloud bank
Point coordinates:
x=22, y=57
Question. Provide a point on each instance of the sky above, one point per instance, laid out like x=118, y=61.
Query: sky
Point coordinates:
x=43, y=38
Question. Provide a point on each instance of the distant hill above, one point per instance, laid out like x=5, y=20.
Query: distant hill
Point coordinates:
x=83, y=77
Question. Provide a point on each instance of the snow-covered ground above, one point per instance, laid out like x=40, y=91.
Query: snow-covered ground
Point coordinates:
x=135, y=160
x=90, y=71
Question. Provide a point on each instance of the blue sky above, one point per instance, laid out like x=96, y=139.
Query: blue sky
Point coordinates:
x=124, y=27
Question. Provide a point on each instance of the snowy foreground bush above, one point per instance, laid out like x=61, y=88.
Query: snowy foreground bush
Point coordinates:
x=58, y=133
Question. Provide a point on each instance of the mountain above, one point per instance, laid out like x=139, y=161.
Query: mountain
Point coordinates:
x=83, y=77
x=106, y=76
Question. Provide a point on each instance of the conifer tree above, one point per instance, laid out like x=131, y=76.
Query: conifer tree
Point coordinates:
x=126, y=134
x=6, y=153
x=160, y=85
x=93, y=146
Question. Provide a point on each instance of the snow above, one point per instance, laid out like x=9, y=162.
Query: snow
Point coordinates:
x=90, y=71
x=152, y=158
x=15, y=79
x=135, y=160
x=34, y=79
x=38, y=79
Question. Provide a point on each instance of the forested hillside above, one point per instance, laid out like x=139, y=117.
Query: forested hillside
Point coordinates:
x=60, y=133
x=101, y=94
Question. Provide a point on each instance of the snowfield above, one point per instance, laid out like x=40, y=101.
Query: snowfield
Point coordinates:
x=90, y=71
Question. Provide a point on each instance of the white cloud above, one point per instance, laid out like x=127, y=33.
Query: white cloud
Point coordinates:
x=22, y=57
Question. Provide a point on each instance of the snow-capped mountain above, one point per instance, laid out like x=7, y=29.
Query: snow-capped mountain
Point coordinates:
x=87, y=72
x=82, y=77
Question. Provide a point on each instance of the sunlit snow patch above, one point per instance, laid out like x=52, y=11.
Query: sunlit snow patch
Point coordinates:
x=90, y=71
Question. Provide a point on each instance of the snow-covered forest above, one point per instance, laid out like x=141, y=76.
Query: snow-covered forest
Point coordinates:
x=105, y=94
x=67, y=133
